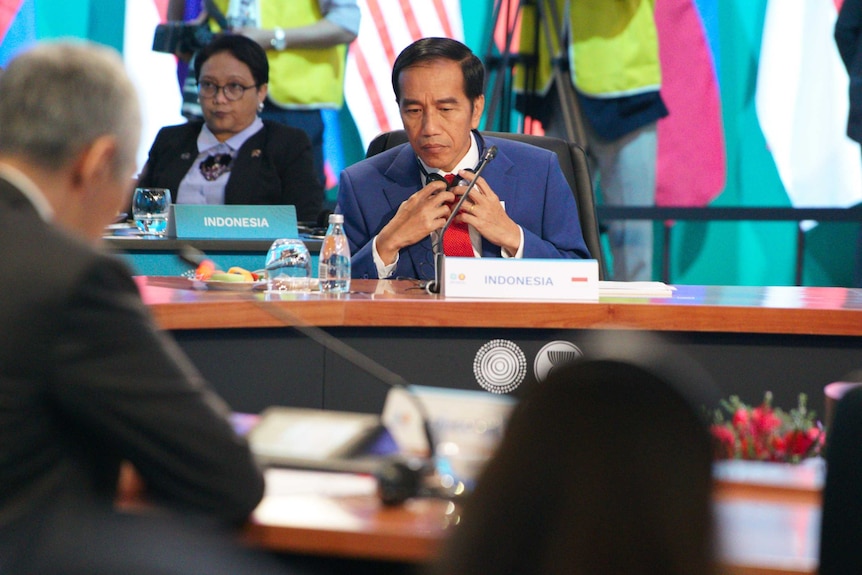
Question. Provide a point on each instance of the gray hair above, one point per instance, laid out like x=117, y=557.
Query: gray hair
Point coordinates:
x=58, y=98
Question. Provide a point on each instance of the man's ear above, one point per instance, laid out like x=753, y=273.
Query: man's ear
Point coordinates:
x=95, y=163
x=478, y=108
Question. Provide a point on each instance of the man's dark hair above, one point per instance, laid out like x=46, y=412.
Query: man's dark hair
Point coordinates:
x=427, y=49
x=240, y=47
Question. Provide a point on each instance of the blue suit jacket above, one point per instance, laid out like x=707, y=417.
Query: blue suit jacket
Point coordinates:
x=526, y=178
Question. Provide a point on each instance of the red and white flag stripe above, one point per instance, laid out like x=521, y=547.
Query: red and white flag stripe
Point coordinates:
x=387, y=27
x=8, y=11
x=802, y=104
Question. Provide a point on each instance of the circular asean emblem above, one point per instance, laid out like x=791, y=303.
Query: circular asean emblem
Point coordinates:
x=500, y=366
x=553, y=355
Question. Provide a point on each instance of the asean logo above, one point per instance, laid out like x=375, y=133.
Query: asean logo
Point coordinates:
x=500, y=366
x=552, y=355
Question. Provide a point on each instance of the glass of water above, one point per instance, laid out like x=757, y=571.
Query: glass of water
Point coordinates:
x=288, y=266
x=150, y=207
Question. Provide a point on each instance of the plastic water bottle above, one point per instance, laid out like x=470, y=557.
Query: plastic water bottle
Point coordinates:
x=334, y=268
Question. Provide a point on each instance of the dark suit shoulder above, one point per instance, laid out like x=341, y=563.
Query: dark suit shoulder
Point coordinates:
x=279, y=140
x=179, y=130
x=278, y=130
x=49, y=253
x=379, y=163
x=515, y=149
x=178, y=137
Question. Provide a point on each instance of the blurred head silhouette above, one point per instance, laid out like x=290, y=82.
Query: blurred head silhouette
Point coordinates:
x=604, y=468
x=70, y=121
x=842, y=498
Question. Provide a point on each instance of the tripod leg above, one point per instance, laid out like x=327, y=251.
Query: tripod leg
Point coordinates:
x=570, y=108
x=501, y=65
x=556, y=25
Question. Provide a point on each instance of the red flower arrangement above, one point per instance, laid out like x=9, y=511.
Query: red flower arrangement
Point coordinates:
x=766, y=433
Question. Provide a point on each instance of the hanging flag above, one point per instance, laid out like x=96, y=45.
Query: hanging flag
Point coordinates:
x=8, y=11
x=153, y=73
x=387, y=28
x=802, y=104
x=17, y=27
x=691, y=164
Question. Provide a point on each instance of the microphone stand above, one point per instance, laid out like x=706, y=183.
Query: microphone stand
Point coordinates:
x=398, y=480
x=433, y=287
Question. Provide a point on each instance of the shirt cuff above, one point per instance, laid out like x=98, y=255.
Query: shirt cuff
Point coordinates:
x=383, y=270
x=520, y=253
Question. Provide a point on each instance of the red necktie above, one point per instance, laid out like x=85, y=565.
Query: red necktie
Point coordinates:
x=456, y=240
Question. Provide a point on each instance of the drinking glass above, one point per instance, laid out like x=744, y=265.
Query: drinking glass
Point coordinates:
x=150, y=207
x=288, y=266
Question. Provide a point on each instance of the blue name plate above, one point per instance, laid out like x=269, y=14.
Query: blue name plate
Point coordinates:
x=190, y=221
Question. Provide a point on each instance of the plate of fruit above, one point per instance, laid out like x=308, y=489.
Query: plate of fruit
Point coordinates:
x=208, y=276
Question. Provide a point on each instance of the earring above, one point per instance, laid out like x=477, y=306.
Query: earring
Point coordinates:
x=260, y=107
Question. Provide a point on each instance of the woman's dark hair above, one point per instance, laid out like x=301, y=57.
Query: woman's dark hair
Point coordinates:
x=604, y=468
x=240, y=47
x=428, y=49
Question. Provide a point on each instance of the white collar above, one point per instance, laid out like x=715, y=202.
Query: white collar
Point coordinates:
x=468, y=162
x=30, y=190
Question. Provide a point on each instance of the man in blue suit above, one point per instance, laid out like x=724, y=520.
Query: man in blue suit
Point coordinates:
x=396, y=203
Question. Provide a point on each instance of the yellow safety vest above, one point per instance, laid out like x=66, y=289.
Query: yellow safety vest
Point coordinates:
x=613, y=50
x=301, y=77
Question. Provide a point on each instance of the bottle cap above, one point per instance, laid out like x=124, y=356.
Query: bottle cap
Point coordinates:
x=336, y=218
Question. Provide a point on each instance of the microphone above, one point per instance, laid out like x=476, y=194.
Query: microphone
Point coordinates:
x=433, y=286
x=191, y=255
x=397, y=479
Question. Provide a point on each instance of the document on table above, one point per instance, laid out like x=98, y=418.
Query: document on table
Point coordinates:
x=634, y=289
x=312, y=499
x=289, y=482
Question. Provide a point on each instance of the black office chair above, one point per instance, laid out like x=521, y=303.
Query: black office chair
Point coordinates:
x=573, y=162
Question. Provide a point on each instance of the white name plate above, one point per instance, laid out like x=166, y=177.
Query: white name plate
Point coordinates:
x=545, y=279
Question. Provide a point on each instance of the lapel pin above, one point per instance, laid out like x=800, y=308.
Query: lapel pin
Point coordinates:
x=255, y=153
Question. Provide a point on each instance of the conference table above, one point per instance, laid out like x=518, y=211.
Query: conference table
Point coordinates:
x=256, y=348
x=767, y=519
x=260, y=349
x=158, y=256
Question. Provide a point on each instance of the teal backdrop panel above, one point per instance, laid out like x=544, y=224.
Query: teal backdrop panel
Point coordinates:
x=61, y=18
x=104, y=16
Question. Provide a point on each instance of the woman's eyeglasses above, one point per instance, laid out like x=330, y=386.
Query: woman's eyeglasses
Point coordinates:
x=232, y=91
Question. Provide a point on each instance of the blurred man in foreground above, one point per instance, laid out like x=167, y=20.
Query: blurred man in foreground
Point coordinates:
x=86, y=380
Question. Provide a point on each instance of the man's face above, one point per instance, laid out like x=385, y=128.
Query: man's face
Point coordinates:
x=436, y=113
x=113, y=193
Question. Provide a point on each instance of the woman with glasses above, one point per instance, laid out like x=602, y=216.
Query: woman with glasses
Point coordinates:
x=234, y=157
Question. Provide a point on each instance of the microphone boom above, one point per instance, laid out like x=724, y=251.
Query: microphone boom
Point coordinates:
x=433, y=287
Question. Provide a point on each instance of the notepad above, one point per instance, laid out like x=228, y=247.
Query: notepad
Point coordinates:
x=644, y=289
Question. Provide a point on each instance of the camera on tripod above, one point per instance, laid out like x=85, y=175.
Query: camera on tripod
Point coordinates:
x=181, y=37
